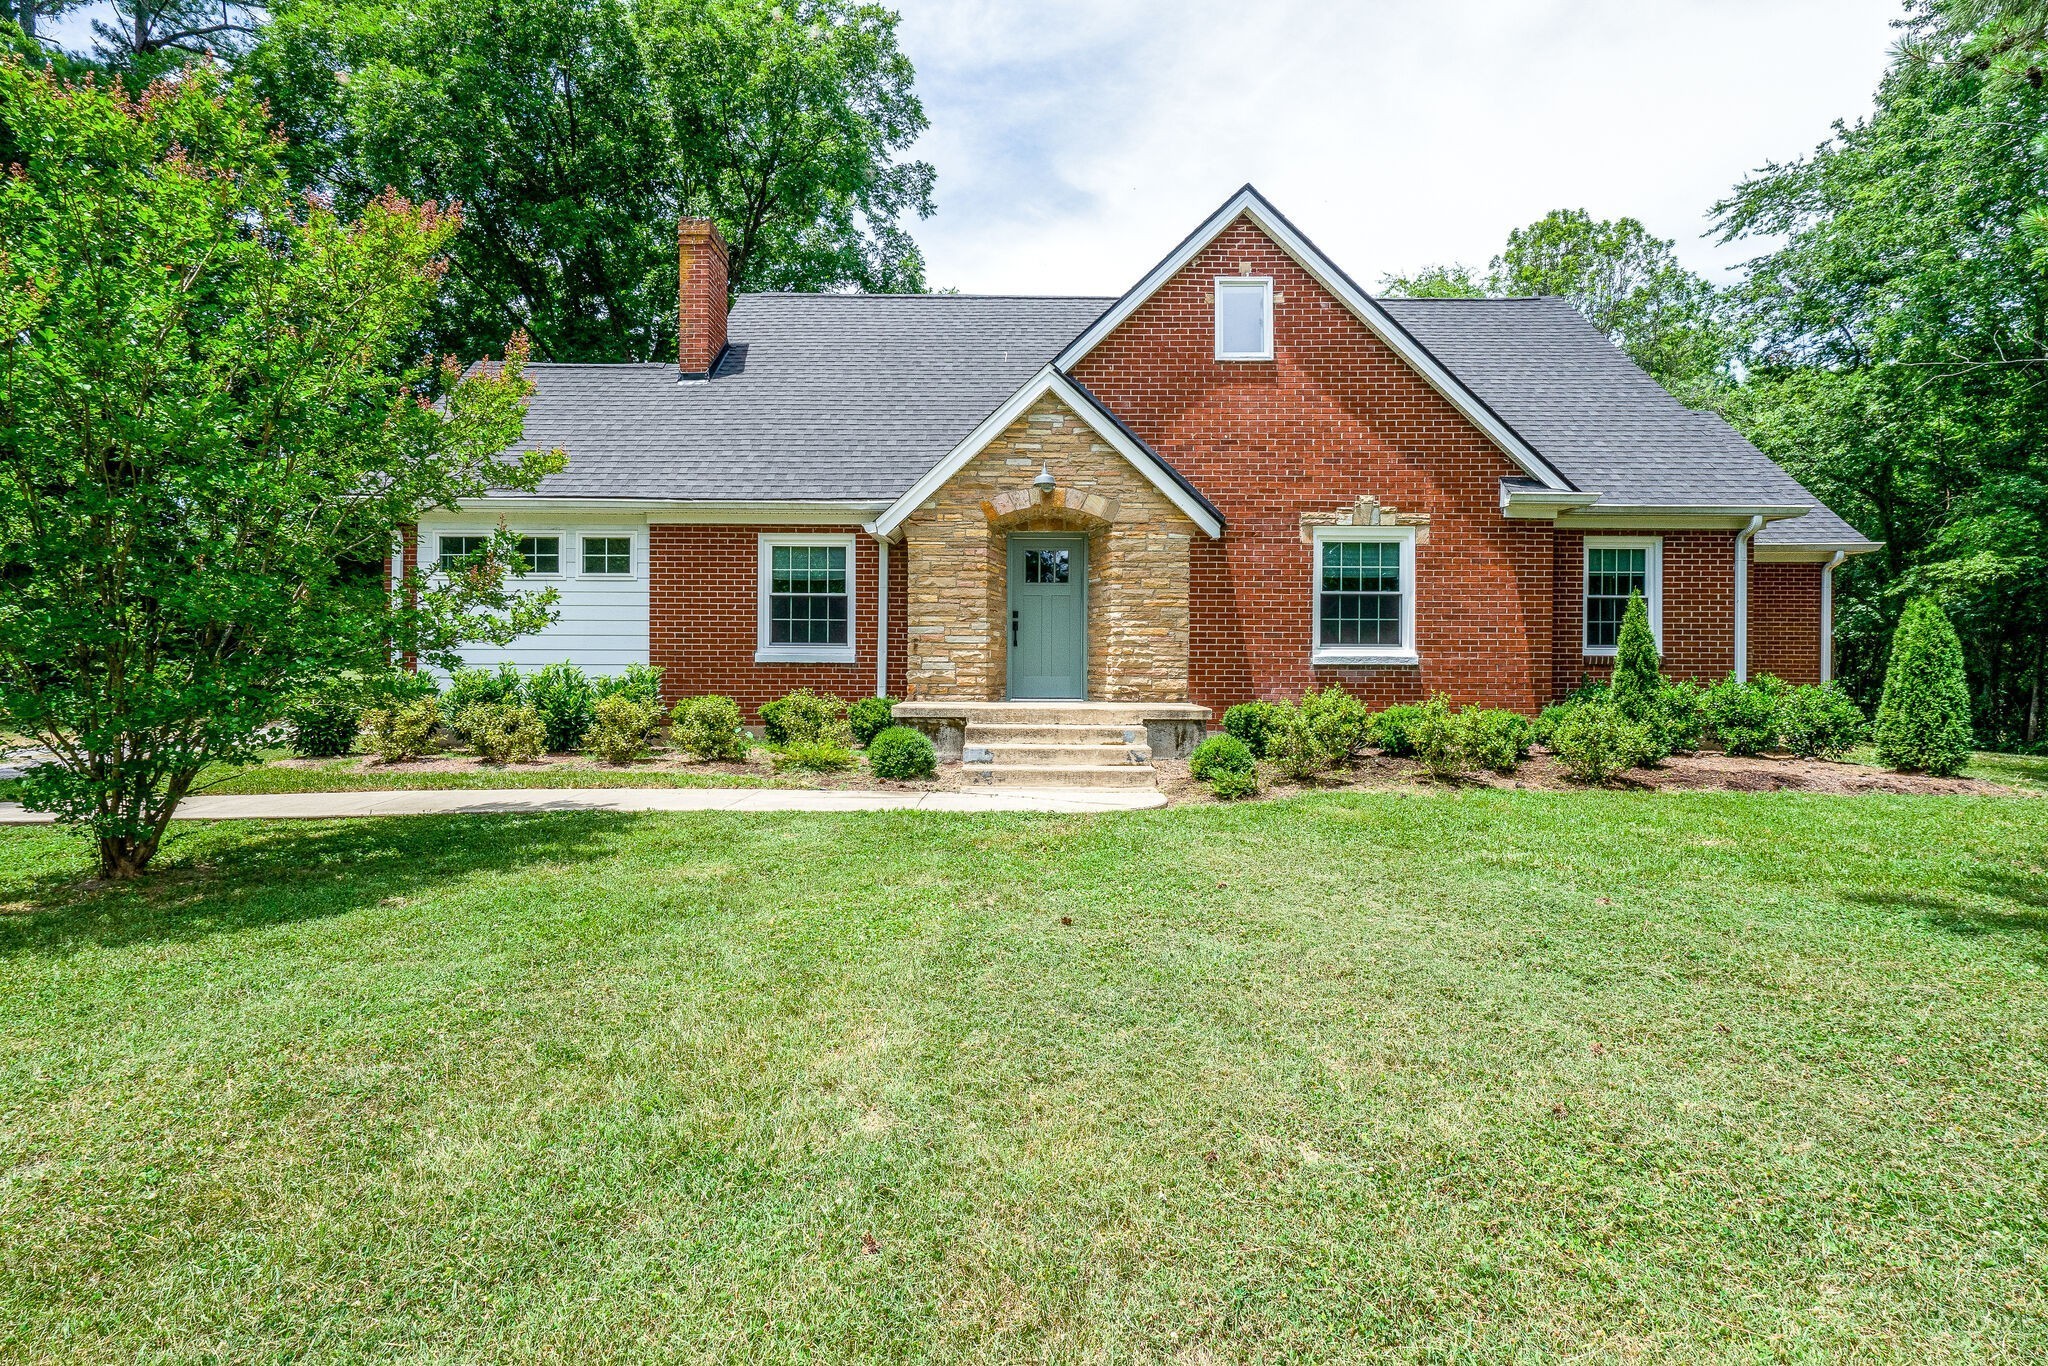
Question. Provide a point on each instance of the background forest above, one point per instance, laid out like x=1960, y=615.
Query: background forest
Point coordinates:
x=1887, y=343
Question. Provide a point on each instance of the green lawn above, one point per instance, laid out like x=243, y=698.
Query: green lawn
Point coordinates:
x=1475, y=1076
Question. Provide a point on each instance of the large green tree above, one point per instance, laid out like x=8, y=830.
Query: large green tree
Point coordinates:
x=1899, y=358
x=1627, y=282
x=210, y=436
x=574, y=133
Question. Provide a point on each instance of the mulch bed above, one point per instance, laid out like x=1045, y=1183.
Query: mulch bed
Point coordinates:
x=1705, y=772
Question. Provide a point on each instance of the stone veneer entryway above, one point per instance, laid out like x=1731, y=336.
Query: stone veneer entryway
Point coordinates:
x=956, y=545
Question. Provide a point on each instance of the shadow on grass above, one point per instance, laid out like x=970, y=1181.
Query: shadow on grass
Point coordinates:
x=236, y=876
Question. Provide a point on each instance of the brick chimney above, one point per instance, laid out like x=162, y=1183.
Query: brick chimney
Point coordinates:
x=700, y=306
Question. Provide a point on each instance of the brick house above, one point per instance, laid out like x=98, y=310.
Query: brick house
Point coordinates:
x=1242, y=478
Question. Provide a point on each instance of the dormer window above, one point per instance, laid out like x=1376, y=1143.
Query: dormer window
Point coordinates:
x=1244, y=318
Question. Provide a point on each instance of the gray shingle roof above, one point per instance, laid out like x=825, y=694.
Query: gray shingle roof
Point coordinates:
x=853, y=397
x=1603, y=423
x=821, y=396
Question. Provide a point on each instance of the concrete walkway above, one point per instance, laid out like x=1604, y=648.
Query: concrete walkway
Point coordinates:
x=472, y=801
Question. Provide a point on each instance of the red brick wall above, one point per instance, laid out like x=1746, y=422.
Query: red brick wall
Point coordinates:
x=703, y=601
x=1784, y=621
x=1334, y=415
x=1699, y=607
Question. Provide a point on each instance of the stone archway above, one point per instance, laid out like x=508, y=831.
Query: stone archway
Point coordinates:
x=1138, y=543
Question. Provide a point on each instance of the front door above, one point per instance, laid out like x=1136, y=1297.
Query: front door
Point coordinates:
x=1048, y=616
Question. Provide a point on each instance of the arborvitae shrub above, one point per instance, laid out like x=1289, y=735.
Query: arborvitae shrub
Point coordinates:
x=902, y=754
x=567, y=704
x=869, y=717
x=1250, y=722
x=1923, y=719
x=1342, y=724
x=1636, y=684
x=1219, y=754
x=709, y=728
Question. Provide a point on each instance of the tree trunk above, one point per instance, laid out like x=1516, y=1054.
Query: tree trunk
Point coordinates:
x=123, y=857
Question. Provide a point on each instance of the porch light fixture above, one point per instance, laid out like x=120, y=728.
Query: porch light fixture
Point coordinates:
x=1044, y=482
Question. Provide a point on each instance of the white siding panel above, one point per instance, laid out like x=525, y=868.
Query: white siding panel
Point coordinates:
x=600, y=619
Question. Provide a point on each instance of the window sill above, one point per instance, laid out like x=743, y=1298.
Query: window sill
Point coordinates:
x=804, y=654
x=1394, y=657
x=1228, y=359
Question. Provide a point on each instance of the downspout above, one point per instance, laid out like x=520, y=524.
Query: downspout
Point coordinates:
x=1827, y=616
x=882, y=616
x=1742, y=541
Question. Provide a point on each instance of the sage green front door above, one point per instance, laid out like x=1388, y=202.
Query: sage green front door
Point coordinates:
x=1048, y=616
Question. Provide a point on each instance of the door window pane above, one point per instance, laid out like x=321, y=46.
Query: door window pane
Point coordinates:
x=1047, y=566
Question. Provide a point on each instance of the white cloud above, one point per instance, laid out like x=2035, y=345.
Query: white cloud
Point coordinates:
x=1077, y=142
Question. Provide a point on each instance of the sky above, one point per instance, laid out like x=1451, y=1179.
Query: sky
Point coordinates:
x=1076, y=142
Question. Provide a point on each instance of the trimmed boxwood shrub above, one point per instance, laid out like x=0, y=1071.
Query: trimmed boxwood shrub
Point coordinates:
x=1390, y=730
x=1220, y=754
x=507, y=732
x=1491, y=738
x=621, y=726
x=802, y=716
x=816, y=756
x=1594, y=741
x=1677, y=723
x=324, y=726
x=709, y=728
x=1229, y=785
x=902, y=754
x=1820, y=722
x=641, y=682
x=1250, y=722
x=1435, y=738
x=1923, y=719
x=567, y=704
x=403, y=730
x=1293, y=747
x=1340, y=722
x=1543, y=730
x=869, y=717
x=1743, y=716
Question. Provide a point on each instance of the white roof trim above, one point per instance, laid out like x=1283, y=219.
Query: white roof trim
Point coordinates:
x=1047, y=380
x=1249, y=202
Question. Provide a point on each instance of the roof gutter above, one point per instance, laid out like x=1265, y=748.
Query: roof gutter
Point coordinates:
x=1742, y=541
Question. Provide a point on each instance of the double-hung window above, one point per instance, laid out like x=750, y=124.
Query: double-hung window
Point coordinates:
x=1244, y=317
x=806, y=606
x=1618, y=568
x=1364, y=595
x=607, y=554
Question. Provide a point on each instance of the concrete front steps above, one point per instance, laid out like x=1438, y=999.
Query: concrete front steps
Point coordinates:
x=1057, y=744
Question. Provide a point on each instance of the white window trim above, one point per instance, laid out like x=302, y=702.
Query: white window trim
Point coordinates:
x=1404, y=653
x=767, y=653
x=1653, y=583
x=1263, y=283
x=636, y=553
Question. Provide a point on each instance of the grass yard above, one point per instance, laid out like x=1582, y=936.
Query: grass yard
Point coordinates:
x=1473, y=1076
